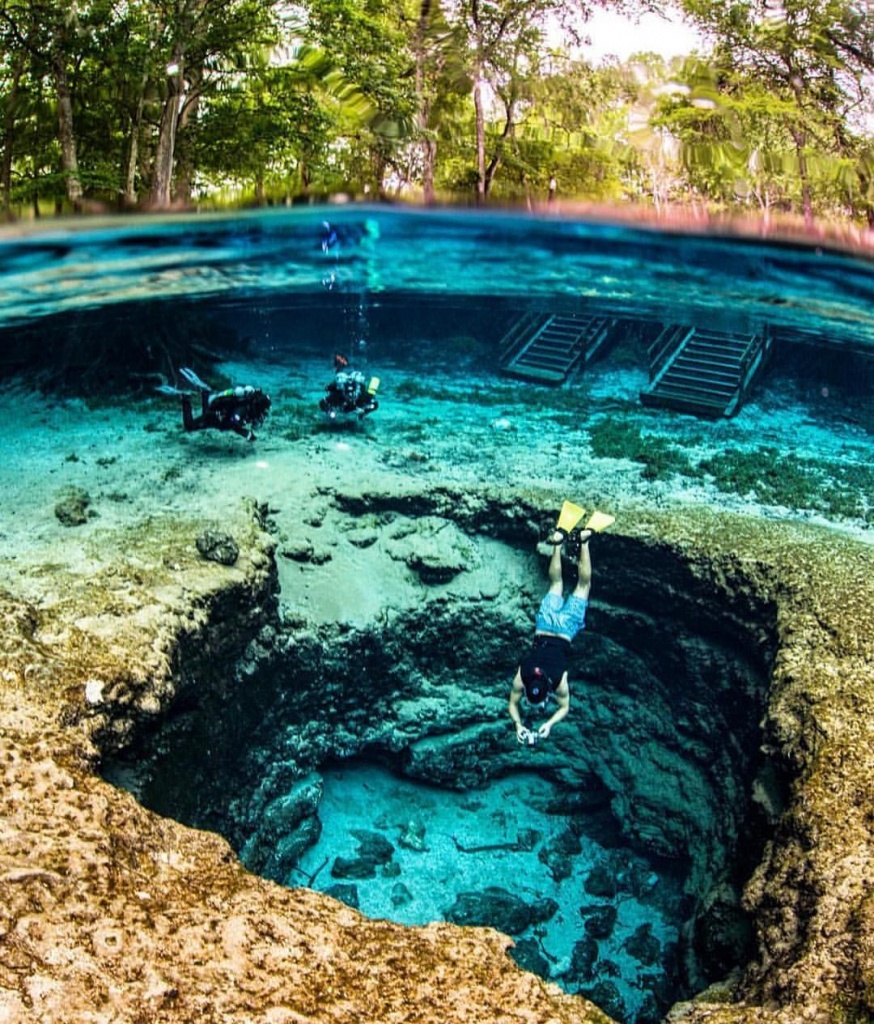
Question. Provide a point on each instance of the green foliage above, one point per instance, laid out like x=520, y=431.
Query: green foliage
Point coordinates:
x=617, y=438
x=271, y=100
x=838, y=489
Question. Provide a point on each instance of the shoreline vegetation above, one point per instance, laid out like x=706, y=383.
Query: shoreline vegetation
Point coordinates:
x=136, y=107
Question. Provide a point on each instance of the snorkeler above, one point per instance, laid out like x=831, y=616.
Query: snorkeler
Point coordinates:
x=239, y=409
x=542, y=672
x=349, y=391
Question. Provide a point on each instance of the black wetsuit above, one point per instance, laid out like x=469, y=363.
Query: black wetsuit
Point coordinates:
x=348, y=393
x=239, y=409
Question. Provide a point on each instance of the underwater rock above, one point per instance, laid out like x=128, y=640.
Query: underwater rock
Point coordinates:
x=413, y=837
x=287, y=827
x=218, y=546
x=722, y=930
x=400, y=895
x=287, y=851
x=606, y=995
x=643, y=945
x=583, y=957
x=353, y=867
x=345, y=893
x=544, y=909
x=557, y=854
x=601, y=882
x=649, y=1011
x=72, y=506
x=528, y=955
x=599, y=921
x=286, y=812
x=373, y=846
x=493, y=908
x=434, y=548
x=362, y=538
x=527, y=839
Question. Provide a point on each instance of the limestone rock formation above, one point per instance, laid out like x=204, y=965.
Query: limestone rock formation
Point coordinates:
x=109, y=911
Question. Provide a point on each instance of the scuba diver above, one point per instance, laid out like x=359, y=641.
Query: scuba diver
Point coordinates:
x=239, y=409
x=349, y=391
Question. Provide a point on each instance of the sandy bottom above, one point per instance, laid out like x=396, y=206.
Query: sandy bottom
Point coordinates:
x=468, y=428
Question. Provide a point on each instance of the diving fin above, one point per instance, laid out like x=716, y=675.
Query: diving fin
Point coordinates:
x=599, y=521
x=569, y=516
x=193, y=379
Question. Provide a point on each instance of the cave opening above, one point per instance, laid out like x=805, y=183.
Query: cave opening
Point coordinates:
x=375, y=762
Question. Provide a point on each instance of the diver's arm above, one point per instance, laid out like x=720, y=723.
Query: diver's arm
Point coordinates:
x=563, y=698
x=516, y=691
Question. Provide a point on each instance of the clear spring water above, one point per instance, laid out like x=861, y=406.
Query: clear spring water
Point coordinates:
x=295, y=285
x=256, y=257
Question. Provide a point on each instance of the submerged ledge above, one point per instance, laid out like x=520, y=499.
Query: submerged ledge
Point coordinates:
x=110, y=911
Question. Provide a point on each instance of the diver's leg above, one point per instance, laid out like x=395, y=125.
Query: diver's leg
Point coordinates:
x=187, y=417
x=584, y=566
x=193, y=379
x=555, y=579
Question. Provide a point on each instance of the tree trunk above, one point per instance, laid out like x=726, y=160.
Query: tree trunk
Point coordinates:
x=129, y=197
x=162, y=178
x=9, y=138
x=185, y=161
x=806, y=200
x=66, y=135
x=509, y=128
x=427, y=144
x=480, y=140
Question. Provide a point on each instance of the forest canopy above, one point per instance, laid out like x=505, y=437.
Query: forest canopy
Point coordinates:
x=159, y=104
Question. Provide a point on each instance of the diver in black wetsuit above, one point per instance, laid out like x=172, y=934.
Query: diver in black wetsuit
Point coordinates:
x=349, y=391
x=239, y=409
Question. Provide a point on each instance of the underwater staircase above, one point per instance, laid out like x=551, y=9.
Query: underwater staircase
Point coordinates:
x=703, y=371
x=547, y=349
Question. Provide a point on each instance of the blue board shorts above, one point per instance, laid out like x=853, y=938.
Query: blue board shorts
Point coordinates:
x=563, y=615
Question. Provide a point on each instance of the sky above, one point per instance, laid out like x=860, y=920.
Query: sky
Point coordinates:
x=613, y=34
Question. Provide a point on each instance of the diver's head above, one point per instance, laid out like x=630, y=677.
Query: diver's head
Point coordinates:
x=536, y=682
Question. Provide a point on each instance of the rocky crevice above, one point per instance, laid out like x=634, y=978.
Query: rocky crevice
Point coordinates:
x=669, y=688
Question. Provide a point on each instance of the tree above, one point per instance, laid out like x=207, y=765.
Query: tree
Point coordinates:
x=811, y=55
x=200, y=40
x=41, y=34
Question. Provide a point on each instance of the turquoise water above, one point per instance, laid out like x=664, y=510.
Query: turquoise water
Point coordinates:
x=94, y=314
x=444, y=843
x=264, y=257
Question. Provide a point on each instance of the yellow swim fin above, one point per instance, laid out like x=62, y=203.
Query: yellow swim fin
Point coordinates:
x=569, y=516
x=599, y=521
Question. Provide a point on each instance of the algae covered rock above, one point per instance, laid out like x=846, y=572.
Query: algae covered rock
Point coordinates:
x=218, y=546
x=494, y=907
x=73, y=506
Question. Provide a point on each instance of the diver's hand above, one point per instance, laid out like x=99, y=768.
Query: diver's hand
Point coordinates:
x=543, y=731
x=521, y=733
